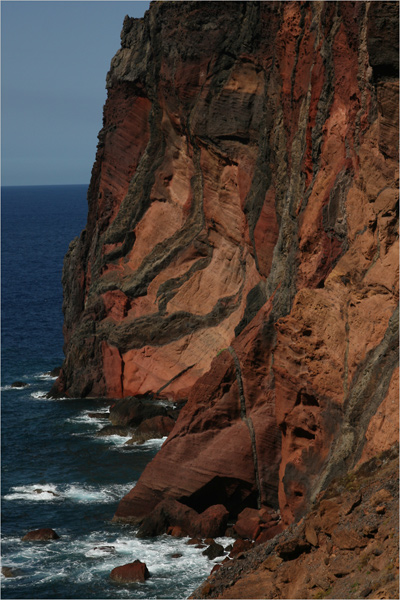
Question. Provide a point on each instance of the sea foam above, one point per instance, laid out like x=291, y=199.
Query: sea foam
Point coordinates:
x=78, y=493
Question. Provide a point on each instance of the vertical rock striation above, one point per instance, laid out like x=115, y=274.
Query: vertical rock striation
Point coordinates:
x=241, y=247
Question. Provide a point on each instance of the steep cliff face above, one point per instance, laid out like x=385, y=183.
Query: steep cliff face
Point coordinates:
x=241, y=247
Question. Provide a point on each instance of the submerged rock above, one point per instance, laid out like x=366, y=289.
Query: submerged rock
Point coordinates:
x=108, y=549
x=11, y=572
x=40, y=491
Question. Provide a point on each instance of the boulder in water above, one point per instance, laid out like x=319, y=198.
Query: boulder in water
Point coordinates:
x=19, y=384
x=214, y=550
x=40, y=535
x=130, y=573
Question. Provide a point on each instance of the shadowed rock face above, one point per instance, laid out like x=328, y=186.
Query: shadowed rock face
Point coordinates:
x=241, y=247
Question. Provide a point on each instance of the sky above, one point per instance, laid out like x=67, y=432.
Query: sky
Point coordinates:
x=55, y=55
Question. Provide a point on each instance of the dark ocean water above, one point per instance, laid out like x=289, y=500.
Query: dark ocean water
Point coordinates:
x=50, y=446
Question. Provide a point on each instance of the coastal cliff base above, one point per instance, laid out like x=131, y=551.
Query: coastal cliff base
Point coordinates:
x=346, y=547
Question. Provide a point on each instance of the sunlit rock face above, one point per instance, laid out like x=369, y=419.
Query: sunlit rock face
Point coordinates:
x=241, y=247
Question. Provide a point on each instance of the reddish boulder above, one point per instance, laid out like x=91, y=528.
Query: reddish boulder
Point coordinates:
x=212, y=522
x=176, y=531
x=252, y=522
x=167, y=514
x=248, y=524
x=240, y=546
x=130, y=573
x=269, y=532
x=177, y=519
x=193, y=542
x=40, y=535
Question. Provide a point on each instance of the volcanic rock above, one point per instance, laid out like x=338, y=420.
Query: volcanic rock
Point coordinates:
x=130, y=573
x=133, y=411
x=288, y=567
x=212, y=522
x=55, y=372
x=114, y=430
x=19, y=384
x=240, y=546
x=241, y=252
x=98, y=415
x=40, y=535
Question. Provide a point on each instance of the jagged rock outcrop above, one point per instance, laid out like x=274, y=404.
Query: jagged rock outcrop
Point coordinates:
x=241, y=248
x=347, y=547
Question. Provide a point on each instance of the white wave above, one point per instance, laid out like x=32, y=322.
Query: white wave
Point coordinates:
x=92, y=556
x=4, y=388
x=39, y=395
x=115, y=440
x=119, y=442
x=35, y=492
x=82, y=494
x=100, y=551
x=45, y=376
x=84, y=418
x=154, y=443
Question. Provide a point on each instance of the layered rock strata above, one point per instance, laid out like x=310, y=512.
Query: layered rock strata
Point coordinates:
x=241, y=248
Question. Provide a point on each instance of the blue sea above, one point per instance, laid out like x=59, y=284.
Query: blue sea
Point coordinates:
x=55, y=472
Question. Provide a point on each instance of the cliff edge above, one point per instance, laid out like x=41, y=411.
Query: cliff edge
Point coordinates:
x=241, y=249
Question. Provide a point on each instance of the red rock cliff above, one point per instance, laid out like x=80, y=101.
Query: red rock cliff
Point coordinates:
x=241, y=247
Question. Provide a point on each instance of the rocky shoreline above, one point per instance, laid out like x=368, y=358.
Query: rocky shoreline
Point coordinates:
x=346, y=547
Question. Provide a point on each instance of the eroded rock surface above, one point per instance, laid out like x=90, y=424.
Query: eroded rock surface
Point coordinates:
x=241, y=250
x=347, y=547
